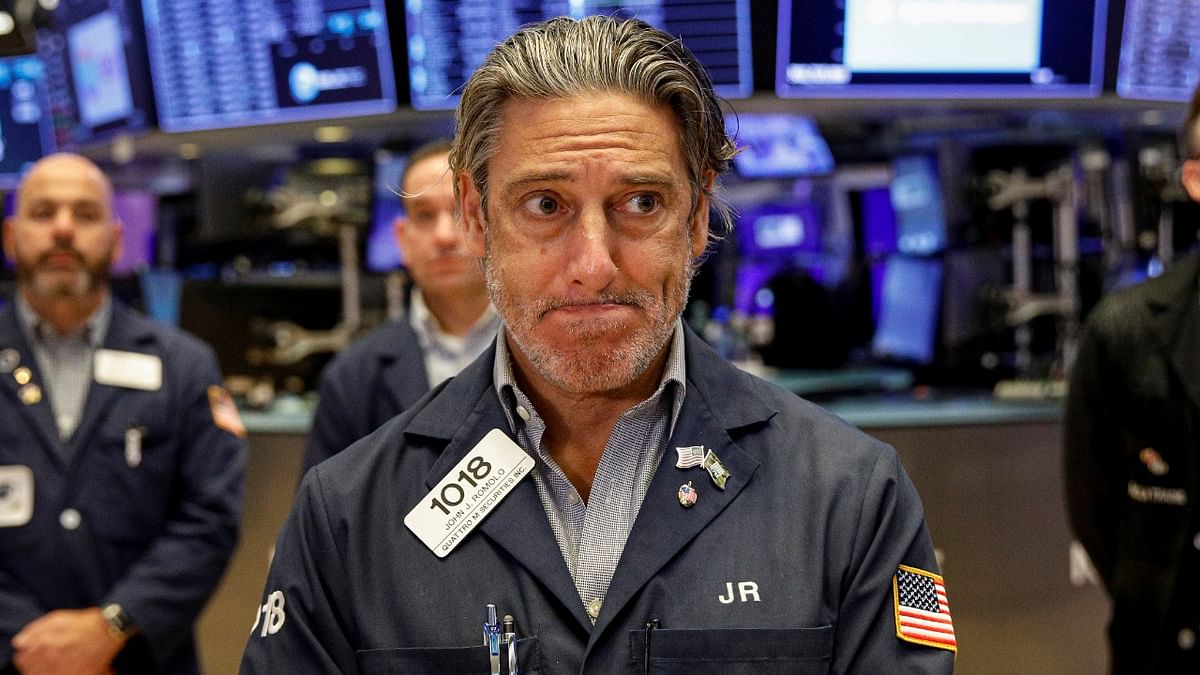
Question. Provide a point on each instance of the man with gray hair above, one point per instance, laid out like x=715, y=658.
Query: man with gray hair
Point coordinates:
x=626, y=500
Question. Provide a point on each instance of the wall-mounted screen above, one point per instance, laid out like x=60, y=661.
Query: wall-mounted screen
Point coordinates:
x=95, y=59
x=231, y=63
x=26, y=128
x=448, y=40
x=1159, y=56
x=778, y=146
x=941, y=48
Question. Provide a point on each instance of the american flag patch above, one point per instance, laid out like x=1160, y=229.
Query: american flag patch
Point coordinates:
x=922, y=609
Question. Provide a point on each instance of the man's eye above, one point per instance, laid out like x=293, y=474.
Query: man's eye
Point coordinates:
x=643, y=203
x=542, y=205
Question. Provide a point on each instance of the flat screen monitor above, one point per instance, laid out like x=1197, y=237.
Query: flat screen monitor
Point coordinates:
x=231, y=63
x=382, y=252
x=779, y=230
x=916, y=197
x=95, y=58
x=138, y=212
x=941, y=48
x=778, y=146
x=909, y=301
x=26, y=126
x=1159, y=58
x=448, y=40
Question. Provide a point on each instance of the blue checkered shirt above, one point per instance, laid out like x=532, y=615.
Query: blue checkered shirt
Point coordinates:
x=592, y=536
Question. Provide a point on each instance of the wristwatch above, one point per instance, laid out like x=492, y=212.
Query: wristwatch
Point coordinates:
x=120, y=626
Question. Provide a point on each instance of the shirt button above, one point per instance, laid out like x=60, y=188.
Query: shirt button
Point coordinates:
x=593, y=608
x=1186, y=639
x=69, y=519
x=574, y=498
x=523, y=413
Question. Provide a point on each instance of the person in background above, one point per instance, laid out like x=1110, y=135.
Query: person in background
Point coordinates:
x=600, y=489
x=449, y=322
x=121, y=457
x=1132, y=459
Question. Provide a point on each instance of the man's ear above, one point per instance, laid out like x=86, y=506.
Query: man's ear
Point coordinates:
x=470, y=209
x=1189, y=175
x=700, y=215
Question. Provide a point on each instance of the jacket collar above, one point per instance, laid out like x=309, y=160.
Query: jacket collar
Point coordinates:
x=720, y=399
x=1175, y=320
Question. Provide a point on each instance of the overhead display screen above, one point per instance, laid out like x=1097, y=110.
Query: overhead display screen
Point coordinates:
x=26, y=129
x=448, y=40
x=941, y=48
x=1160, y=50
x=231, y=63
x=95, y=59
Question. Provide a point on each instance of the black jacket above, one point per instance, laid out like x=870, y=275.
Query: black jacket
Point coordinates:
x=1131, y=475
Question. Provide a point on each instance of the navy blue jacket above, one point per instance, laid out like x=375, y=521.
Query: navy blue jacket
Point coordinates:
x=372, y=381
x=155, y=537
x=1132, y=466
x=816, y=518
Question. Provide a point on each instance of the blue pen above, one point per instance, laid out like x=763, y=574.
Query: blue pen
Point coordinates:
x=491, y=638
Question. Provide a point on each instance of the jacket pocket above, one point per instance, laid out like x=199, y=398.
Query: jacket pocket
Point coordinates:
x=445, y=660
x=735, y=651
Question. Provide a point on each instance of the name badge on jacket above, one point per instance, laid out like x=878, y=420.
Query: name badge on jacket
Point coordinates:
x=16, y=495
x=128, y=369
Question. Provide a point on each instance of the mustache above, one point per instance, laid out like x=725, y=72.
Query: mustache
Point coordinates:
x=631, y=297
x=58, y=249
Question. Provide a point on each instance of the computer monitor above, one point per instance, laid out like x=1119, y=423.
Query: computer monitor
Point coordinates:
x=382, y=252
x=137, y=211
x=447, y=41
x=941, y=48
x=230, y=63
x=779, y=230
x=26, y=126
x=1158, y=57
x=95, y=59
x=909, y=303
x=778, y=146
x=916, y=197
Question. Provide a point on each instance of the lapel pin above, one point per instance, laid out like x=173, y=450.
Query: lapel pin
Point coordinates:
x=22, y=375
x=689, y=456
x=9, y=359
x=30, y=394
x=716, y=469
x=1154, y=461
x=688, y=495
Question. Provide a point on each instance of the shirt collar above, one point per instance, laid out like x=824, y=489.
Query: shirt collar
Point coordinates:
x=38, y=330
x=428, y=330
x=675, y=373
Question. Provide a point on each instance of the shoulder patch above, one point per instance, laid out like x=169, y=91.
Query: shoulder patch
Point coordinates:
x=224, y=411
x=922, y=609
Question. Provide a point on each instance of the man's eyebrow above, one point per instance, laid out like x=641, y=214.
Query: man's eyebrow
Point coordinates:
x=545, y=177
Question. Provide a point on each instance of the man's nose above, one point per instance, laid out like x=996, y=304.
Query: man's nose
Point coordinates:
x=593, y=253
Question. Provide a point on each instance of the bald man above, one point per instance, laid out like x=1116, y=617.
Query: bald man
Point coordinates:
x=121, y=459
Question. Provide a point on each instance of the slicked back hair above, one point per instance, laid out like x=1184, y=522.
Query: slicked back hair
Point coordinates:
x=564, y=57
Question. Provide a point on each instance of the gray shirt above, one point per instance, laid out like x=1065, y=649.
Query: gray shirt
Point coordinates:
x=592, y=536
x=65, y=361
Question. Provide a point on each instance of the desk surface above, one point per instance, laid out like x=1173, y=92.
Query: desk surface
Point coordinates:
x=867, y=412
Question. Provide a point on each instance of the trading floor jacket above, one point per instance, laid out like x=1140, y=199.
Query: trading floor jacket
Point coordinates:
x=788, y=569
x=1131, y=471
x=146, y=512
x=369, y=383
